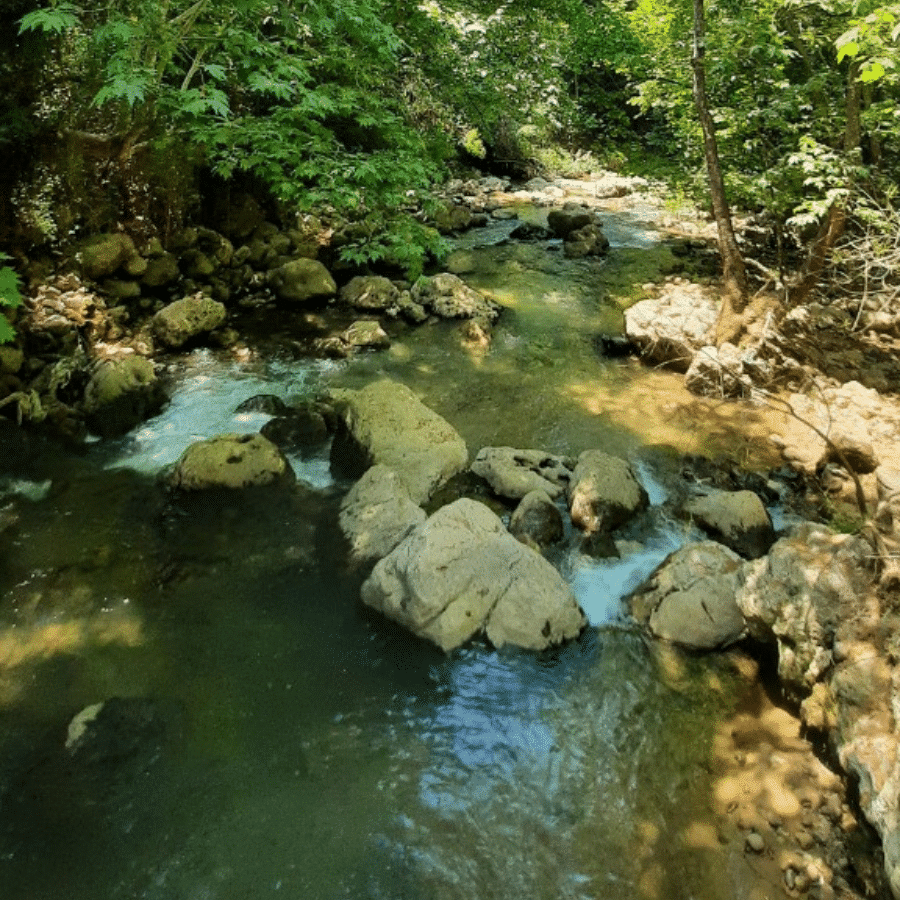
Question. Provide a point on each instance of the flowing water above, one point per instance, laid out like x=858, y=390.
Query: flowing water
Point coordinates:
x=294, y=745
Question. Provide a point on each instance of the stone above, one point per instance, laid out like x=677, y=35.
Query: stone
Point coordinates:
x=453, y=218
x=671, y=328
x=161, y=270
x=268, y=404
x=588, y=240
x=366, y=333
x=562, y=222
x=370, y=292
x=604, y=492
x=737, y=519
x=105, y=254
x=850, y=449
x=462, y=574
x=718, y=372
x=450, y=297
x=230, y=461
x=302, y=280
x=386, y=423
x=690, y=598
x=121, y=393
x=514, y=473
x=376, y=515
x=537, y=519
x=301, y=429
x=186, y=319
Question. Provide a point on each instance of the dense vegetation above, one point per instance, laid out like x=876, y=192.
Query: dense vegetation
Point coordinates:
x=120, y=115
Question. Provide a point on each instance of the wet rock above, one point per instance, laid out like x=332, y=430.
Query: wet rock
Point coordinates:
x=449, y=297
x=386, y=423
x=462, y=574
x=562, y=222
x=301, y=429
x=588, y=240
x=671, y=328
x=370, y=292
x=179, y=322
x=453, y=218
x=121, y=393
x=514, y=473
x=377, y=514
x=690, y=598
x=604, y=492
x=537, y=520
x=736, y=519
x=230, y=461
x=302, y=280
x=268, y=404
x=366, y=333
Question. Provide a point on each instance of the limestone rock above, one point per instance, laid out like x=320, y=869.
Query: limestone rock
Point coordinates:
x=855, y=448
x=386, y=423
x=736, y=519
x=799, y=594
x=301, y=280
x=451, y=298
x=690, y=598
x=121, y=393
x=514, y=473
x=462, y=573
x=673, y=327
x=604, y=492
x=230, y=461
x=377, y=514
x=718, y=372
x=366, y=333
x=537, y=519
x=188, y=318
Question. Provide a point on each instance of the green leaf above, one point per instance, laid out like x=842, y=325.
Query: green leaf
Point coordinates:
x=851, y=48
x=9, y=288
x=51, y=21
x=872, y=71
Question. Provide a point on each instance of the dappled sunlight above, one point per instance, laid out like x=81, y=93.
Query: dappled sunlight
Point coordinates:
x=24, y=645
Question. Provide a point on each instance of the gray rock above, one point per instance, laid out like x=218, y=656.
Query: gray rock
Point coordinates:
x=301, y=280
x=121, y=393
x=537, y=519
x=449, y=297
x=462, y=574
x=377, y=514
x=386, y=423
x=604, y=492
x=736, y=519
x=179, y=322
x=514, y=473
x=230, y=461
x=690, y=598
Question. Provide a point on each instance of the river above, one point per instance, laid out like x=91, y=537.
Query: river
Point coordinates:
x=296, y=745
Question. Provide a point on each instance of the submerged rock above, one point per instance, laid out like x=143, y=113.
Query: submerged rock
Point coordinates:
x=386, y=423
x=230, y=461
x=462, y=574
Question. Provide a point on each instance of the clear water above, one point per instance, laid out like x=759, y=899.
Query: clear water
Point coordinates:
x=306, y=748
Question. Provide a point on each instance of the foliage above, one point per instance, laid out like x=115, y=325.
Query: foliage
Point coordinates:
x=10, y=297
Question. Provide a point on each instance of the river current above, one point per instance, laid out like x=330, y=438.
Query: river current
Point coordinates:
x=299, y=746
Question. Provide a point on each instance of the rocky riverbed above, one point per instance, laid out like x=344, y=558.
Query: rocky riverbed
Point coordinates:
x=90, y=358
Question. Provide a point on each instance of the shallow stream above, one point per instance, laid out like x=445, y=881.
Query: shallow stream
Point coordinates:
x=301, y=747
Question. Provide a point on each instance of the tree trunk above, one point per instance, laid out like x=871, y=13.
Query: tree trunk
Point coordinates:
x=734, y=299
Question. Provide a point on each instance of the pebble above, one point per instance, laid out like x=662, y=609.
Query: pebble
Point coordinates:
x=755, y=842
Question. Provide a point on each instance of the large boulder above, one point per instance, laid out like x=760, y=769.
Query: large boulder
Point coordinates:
x=604, y=492
x=537, y=520
x=799, y=594
x=386, y=423
x=104, y=254
x=462, y=574
x=301, y=280
x=179, y=322
x=514, y=473
x=690, y=598
x=377, y=514
x=121, y=393
x=370, y=292
x=450, y=297
x=562, y=222
x=736, y=519
x=588, y=240
x=671, y=328
x=230, y=461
